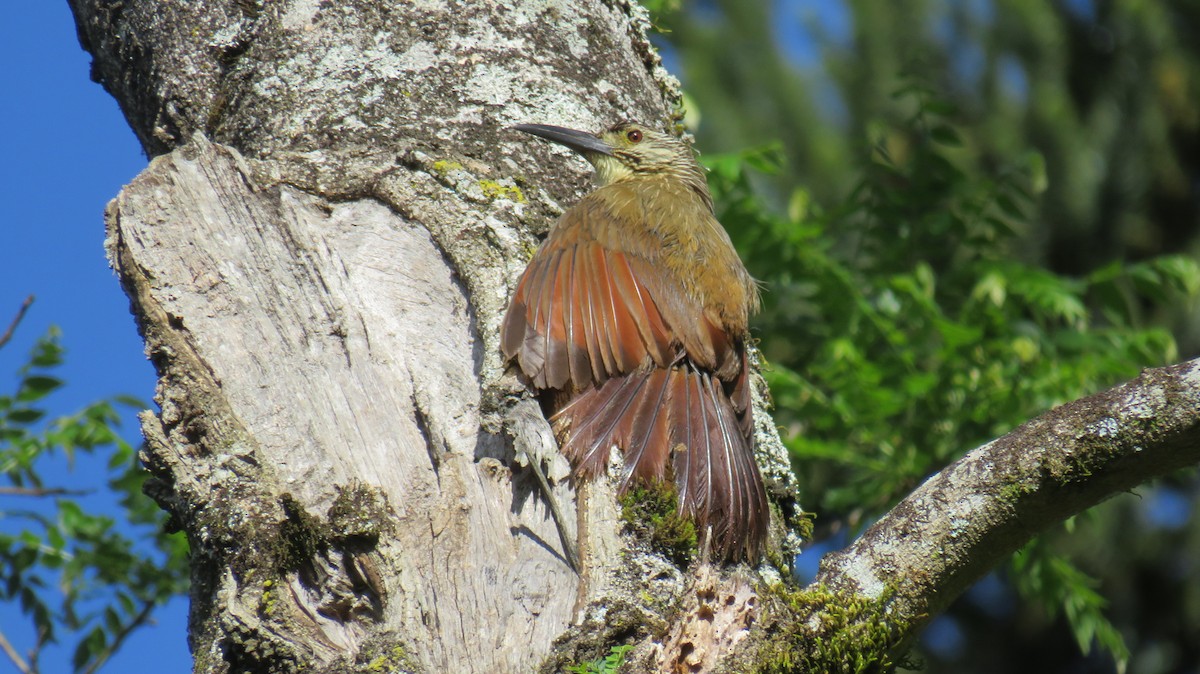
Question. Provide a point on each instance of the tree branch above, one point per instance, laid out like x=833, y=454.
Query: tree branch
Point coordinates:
x=142, y=617
x=43, y=491
x=12, y=327
x=13, y=655
x=966, y=519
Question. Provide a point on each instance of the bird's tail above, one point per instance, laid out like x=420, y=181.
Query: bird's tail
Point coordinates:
x=676, y=422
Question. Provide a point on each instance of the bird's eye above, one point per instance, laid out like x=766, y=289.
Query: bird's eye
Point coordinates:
x=634, y=135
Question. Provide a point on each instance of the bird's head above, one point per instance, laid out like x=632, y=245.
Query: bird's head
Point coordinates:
x=627, y=151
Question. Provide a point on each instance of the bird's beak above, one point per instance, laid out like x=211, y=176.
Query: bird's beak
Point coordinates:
x=580, y=141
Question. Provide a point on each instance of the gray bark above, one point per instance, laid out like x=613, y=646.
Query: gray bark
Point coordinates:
x=319, y=256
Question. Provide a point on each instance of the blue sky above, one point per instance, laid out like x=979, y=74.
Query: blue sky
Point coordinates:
x=68, y=152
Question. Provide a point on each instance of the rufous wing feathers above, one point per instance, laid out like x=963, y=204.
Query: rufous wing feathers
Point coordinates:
x=580, y=316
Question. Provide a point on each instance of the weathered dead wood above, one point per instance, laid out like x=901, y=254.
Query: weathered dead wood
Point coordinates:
x=275, y=383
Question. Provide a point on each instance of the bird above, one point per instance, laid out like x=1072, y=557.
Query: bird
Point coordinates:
x=631, y=320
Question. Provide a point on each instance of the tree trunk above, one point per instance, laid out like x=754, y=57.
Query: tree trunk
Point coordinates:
x=319, y=256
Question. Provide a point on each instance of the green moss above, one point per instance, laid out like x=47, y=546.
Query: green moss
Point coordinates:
x=1013, y=492
x=802, y=523
x=301, y=537
x=818, y=630
x=790, y=525
x=443, y=167
x=651, y=512
x=359, y=514
x=268, y=598
x=596, y=640
x=255, y=650
x=494, y=190
x=391, y=659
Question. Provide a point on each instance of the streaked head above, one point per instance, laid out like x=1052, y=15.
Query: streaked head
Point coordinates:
x=627, y=150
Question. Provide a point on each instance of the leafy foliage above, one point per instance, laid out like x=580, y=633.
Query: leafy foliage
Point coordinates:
x=903, y=328
x=1057, y=584
x=609, y=664
x=1108, y=92
x=71, y=571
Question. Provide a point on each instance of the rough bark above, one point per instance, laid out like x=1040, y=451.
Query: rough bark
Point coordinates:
x=318, y=257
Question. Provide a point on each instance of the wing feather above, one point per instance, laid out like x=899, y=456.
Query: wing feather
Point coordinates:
x=653, y=334
x=647, y=445
x=593, y=322
x=592, y=422
x=557, y=371
x=605, y=328
x=583, y=314
x=576, y=325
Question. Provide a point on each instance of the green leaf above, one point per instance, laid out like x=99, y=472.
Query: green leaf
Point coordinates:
x=55, y=538
x=920, y=384
x=1148, y=281
x=34, y=387
x=71, y=516
x=47, y=352
x=1059, y=585
x=88, y=649
x=130, y=401
x=615, y=658
x=1009, y=207
x=946, y=135
x=1181, y=272
x=957, y=335
x=25, y=415
x=941, y=107
x=112, y=621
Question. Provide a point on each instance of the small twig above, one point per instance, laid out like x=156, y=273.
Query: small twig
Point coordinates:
x=533, y=441
x=12, y=327
x=556, y=514
x=42, y=491
x=43, y=636
x=142, y=617
x=14, y=655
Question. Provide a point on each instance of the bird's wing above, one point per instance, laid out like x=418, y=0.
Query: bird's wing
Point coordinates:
x=580, y=315
x=682, y=257
x=705, y=341
x=596, y=300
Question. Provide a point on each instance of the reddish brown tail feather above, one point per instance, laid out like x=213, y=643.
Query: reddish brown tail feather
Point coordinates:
x=677, y=422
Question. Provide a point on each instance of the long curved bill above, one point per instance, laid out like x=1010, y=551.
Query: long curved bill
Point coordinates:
x=580, y=141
